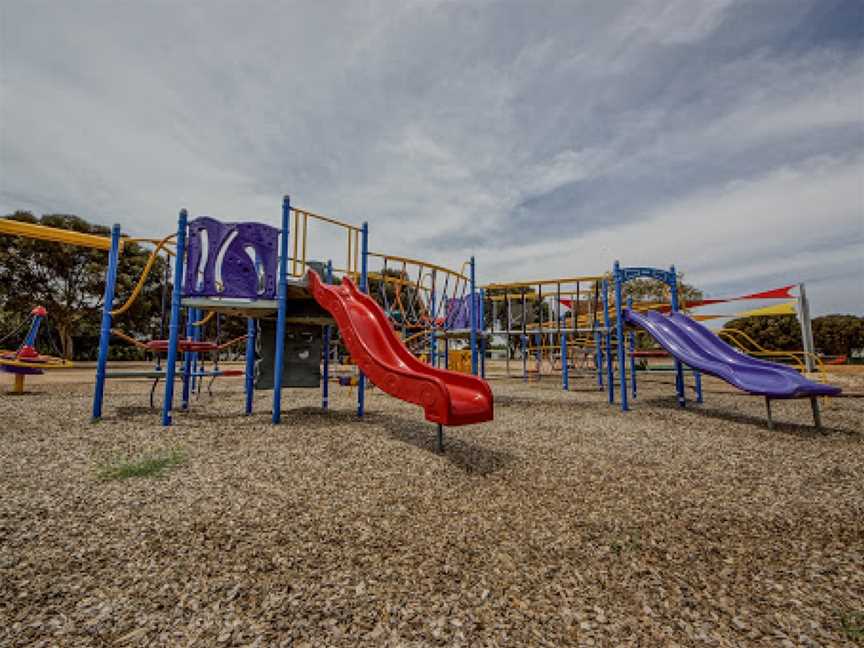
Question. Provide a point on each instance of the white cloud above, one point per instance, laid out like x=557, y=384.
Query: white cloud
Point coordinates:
x=656, y=126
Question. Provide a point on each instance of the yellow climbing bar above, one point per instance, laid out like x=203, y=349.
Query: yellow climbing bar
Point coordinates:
x=542, y=282
x=143, y=278
x=418, y=262
x=55, y=234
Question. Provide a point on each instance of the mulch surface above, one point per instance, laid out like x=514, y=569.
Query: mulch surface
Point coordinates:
x=564, y=522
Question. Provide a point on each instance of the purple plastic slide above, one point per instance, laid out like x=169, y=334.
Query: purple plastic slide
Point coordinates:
x=697, y=347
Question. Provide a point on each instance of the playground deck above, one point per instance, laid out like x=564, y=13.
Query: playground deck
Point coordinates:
x=563, y=522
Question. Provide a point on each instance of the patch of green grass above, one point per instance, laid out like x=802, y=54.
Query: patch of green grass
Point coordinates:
x=853, y=625
x=150, y=465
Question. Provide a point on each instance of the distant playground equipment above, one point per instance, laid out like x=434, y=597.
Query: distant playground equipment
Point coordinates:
x=690, y=343
x=549, y=325
x=26, y=360
x=432, y=308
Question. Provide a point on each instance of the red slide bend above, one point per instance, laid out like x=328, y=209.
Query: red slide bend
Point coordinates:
x=447, y=397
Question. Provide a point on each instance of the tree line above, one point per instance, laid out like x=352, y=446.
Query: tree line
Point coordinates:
x=69, y=281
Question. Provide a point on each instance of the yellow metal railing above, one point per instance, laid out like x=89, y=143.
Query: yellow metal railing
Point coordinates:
x=755, y=349
x=300, y=243
x=445, y=282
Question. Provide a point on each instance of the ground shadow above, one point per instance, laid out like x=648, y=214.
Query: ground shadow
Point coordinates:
x=467, y=456
x=798, y=429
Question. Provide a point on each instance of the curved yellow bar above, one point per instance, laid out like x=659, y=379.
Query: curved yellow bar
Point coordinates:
x=143, y=278
x=418, y=262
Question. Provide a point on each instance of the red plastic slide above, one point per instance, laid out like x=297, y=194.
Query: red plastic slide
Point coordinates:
x=447, y=397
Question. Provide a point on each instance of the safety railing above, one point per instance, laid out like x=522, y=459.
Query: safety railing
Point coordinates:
x=301, y=243
x=414, y=292
x=749, y=346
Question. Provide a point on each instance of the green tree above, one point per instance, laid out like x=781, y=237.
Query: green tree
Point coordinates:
x=70, y=280
x=775, y=333
x=838, y=334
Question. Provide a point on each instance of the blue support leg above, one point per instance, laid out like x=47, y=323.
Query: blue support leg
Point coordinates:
x=565, y=364
x=364, y=286
x=105, y=330
x=698, y=376
x=282, y=310
x=251, y=330
x=174, y=326
x=619, y=334
x=187, y=360
x=325, y=382
x=472, y=312
x=598, y=359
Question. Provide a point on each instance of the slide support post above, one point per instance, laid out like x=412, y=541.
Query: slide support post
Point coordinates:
x=632, y=345
x=105, y=330
x=817, y=419
x=679, y=368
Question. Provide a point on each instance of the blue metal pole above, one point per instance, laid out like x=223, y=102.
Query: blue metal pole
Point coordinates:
x=523, y=339
x=483, y=337
x=433, y=342
x=632, y=340
x=251, y=330
x=619, y=333
x=598, y=359
x=607, y=337
x=187, y=360
x=174, y=326
x=105, y=331
x=364, y=287
x=30, y=340
x=679, y=368
x=698, y=375
x=565, y=363
x=473, y=314
x=282, y=309
x=325, y=383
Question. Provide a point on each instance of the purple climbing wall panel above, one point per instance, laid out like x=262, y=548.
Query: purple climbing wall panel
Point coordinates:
x=458, y=313
x=238, y=260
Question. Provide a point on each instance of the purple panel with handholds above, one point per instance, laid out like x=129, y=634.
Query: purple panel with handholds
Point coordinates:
x=236, y=260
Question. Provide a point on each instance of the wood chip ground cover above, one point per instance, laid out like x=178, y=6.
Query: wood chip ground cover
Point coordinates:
x=563, y=522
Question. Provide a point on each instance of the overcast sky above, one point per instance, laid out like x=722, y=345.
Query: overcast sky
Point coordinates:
x=547, y=138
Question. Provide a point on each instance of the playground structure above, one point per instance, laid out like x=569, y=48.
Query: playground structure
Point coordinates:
x=692, y=344
x=26, y=360
x=554, y=323
x=242, y=269
x=405, y=323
